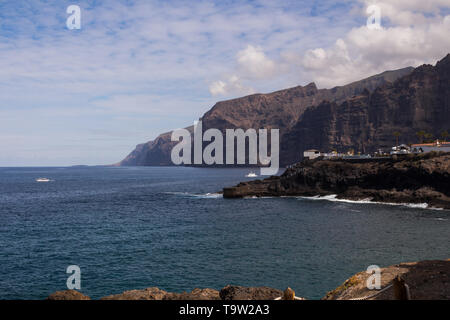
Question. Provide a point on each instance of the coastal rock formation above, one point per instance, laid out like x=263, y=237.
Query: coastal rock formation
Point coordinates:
x=196, y=294
x=68, y=295
x=367, y=122
x=158, y=294
x=281, y=109
x=145, y=294
x=411, y=178
x=249, y=293
x=427, y=280
x=227, y=293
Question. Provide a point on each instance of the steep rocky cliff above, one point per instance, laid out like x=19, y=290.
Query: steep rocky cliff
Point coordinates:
x=367, y=122
x=281, y=109
x=423, y=178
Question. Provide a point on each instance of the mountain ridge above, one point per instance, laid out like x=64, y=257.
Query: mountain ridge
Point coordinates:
x=279, y=109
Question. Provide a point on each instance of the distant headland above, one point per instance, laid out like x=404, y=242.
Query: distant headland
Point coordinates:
x=409, y=179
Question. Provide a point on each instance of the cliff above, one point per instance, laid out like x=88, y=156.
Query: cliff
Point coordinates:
x=412, y=178
x=281, y=109
x=367, y=122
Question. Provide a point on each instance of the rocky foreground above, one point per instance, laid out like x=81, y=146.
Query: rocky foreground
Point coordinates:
x=425, y=280
x=227, y=293
x=423, y=178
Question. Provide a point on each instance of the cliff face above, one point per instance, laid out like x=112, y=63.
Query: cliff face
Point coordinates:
x=281, y=109
x=367, y=122
x=409, y=179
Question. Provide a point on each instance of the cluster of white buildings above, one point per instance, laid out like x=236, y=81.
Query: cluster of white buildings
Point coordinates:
x=401, y=149
x=428, y=147
x=441, y=146
x=313, y=154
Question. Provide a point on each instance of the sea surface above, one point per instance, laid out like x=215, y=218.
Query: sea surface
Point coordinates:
x=133, y=228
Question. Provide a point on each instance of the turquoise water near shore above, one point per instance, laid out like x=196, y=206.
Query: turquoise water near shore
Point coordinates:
x=132, y=228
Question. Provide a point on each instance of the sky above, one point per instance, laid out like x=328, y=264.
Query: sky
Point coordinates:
x=136, y=69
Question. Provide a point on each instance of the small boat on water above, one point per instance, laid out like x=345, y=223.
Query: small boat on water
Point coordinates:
x=251, y=175
x=42, y=180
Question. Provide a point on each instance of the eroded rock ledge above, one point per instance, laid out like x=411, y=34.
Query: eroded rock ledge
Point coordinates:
x=426, y=280
x=423, y=178
x=228, y=293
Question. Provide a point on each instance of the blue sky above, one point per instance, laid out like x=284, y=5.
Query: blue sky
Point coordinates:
x=139, y=68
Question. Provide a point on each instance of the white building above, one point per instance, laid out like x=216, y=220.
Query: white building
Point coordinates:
x=428, y=147
x=401, y=149
x=311, y=154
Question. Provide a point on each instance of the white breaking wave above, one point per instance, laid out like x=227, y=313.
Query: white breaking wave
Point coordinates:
x=195, y=195
x=334, y=198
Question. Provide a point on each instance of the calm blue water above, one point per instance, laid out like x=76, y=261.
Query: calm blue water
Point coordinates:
x=132, y=228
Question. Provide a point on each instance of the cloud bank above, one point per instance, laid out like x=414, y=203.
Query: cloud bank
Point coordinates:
x=138, y=68
x=412, y=33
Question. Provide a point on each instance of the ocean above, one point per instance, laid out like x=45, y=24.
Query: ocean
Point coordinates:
x=138, y=227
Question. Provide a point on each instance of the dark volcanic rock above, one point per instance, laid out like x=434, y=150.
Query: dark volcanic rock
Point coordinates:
x=145, y=294
x=281, y=110
x=68, y=295
x=196, y=294
x=410, y=179
x=227, y=293
x=158, y=294
x=249, y=293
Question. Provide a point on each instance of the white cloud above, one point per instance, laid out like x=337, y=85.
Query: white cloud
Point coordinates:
x=416, y=34
x=254, y=63
x=232, y=86
x=413, y=32
x=251, y=64
x=152, y=62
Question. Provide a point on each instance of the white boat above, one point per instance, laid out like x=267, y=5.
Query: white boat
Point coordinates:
x=251, y=175
x=42, y=180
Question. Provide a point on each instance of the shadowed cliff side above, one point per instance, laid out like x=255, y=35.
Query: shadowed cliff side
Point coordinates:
x=367, y=122
x=281, y=109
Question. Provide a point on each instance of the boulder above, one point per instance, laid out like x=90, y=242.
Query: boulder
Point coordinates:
x=249, y=293
x=68, y=295
x=145, y=294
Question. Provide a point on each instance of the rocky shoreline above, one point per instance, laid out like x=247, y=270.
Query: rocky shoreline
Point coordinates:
x=426, y=280
x=415, y=179
x=228, y=293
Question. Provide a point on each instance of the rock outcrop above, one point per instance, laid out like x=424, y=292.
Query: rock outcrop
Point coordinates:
x=427, y=280
x=145, y=294
x=423, y=178
x=419, y=101
x=68, y=295
x=227, y=293
x=249, y=293
x=282, y=110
